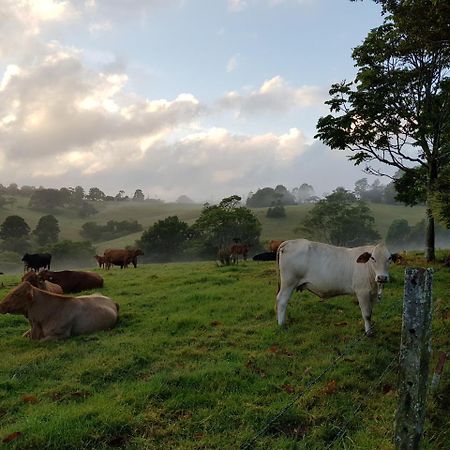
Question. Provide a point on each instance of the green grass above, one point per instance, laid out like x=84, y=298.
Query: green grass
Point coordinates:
x=197, y=361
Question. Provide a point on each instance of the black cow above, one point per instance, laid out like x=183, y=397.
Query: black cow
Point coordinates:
x=36, y=261
x=265, y=256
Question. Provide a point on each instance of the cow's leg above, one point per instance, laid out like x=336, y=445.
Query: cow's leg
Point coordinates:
x=365, y=304
x=283, y=296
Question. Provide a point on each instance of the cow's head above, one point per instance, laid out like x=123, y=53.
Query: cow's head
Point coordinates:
x=138, y=252
x=18, y=300
x=46, y=275
x=25, y=257
x=379, y=259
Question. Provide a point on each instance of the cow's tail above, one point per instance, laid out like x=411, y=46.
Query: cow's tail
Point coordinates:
x=280, y=250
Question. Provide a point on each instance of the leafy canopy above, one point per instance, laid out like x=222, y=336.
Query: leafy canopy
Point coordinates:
x=340, y=219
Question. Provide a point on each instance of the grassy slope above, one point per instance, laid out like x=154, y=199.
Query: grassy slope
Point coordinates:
x=197, y=361
x=147, y=214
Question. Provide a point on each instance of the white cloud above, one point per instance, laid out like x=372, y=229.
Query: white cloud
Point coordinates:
x=232, y=63
x=275, y=95
x=239, y=5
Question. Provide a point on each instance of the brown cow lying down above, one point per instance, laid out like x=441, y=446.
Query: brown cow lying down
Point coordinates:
x=35, y=280
x=54, y=316
x=73, y=280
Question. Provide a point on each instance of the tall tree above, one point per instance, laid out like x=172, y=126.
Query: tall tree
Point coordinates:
x=95, y=194
x=47, y=230
x=340, y=219
x=14, y=227
x=138, y=195
x=164, y=239
x=220, y=224
x=397, y=110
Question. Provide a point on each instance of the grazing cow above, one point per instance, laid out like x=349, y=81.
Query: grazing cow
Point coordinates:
x=274, y=244
x=328, y=271
x=35, y=280
x=36, y=261
x=265, y=256
x=121, y=257
x=100, y=260
x=239, y=249
x=224, y=256
x=73, y=280
x=54, y=316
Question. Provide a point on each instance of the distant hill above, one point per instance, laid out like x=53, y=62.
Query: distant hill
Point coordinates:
x=147, y=213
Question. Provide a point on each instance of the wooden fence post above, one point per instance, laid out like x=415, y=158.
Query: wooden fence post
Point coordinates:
x=414, y=358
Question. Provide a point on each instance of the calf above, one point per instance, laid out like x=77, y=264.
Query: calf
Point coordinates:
x=239, y=249
x=73, y=280
x=100, y=260
x=54, y=316
x=328, y=271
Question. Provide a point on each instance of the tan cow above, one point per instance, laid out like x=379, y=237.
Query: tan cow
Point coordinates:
x=35, y=280
x=54, y=316
x=274, y=244
x=121, y=257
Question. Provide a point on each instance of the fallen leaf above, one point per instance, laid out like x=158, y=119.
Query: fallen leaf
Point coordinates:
x=288, y=388
x=30, y=399
x=11, y=437
x=341, y=324
x=273, y=349
x=215, y=323
x=330, y=388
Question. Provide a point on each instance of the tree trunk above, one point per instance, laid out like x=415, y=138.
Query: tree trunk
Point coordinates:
x=429, y=236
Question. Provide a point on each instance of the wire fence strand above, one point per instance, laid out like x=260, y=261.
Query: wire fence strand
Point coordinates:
x=249, y=443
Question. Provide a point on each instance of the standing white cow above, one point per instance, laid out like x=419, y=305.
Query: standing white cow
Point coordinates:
x=328, y=271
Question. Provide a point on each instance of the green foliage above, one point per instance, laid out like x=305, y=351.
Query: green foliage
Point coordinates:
x=340, y=219
x=48, y=199
x=95, y=194
x=398, y=234
x=276, y=212
x=165, y=239
x=219, y=225
x=77, y=253
x=138, y=195
x=396, y=111
x=14, y=227
x=270, y=197
x=112, y=230
x=47, y=230
x=86, y=210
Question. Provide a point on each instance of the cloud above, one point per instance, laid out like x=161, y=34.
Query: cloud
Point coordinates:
x=239, y=5
x=232, y=63
x=57, y=106
x=275, y=95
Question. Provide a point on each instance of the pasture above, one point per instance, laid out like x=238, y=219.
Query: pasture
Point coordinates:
x=197, y=361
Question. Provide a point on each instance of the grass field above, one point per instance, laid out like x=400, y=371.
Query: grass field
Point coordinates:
x=198, y=362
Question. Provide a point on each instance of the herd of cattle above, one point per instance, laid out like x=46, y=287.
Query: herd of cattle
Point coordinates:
x=46, y=299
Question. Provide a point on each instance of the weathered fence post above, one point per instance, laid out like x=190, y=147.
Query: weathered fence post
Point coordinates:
x=414, y=358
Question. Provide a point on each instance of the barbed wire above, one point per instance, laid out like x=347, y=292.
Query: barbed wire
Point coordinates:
x=344, y=428
x=249, y=443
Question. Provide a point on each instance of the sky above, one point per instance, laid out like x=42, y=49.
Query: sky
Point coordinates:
x=204, y=98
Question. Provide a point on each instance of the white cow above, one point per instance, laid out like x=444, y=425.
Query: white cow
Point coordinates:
x=328, y=271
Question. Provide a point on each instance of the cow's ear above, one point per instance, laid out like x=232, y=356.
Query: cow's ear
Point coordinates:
x=364, y=257
x=396, y=257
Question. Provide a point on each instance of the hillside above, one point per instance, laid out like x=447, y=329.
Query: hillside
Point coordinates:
x=148, y=213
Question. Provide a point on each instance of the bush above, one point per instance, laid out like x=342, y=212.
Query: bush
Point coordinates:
x=73, y=253
x=276, y=212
